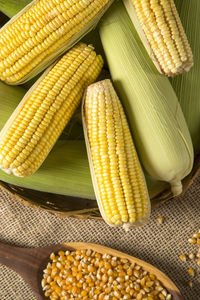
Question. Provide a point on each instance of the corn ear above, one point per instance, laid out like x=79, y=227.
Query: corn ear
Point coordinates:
x=66, y=164
x=117, y=176
x=32, y=130
x=157, y=122
x=159, y=27
x=187, y=86
x=11, y=8
x=65, y=167
x=41, y=32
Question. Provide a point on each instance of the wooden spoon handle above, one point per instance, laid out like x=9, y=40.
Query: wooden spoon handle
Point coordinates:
x=24, y=262
x=12, y=257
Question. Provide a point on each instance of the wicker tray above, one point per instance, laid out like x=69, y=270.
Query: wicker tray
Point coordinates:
x=65, y=206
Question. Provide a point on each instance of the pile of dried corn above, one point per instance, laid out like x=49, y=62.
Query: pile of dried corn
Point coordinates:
x=86, y=274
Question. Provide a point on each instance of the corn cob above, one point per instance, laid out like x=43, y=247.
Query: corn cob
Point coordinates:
x=43, y=31
x=187, y=85
x=65, y=165
x=117, y=176
x=157, y=122
x=37, y=122
x=160, y=28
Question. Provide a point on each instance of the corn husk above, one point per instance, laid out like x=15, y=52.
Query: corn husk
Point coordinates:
x=157, y=122
x=11, y=8
x=187, y=86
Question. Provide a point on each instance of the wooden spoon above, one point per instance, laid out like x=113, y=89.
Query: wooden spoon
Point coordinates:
x=30, y=263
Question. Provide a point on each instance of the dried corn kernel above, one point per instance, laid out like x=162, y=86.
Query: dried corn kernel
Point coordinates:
x=196, y=235
x=190, y=283
x=160, y=219
x=192, y=241
x=191, y=272
x=191, y=256
x=99, y=280
x=183, y=257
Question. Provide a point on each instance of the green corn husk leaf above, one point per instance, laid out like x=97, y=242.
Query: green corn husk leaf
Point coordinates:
x=157, y=122
x=187, y=86
x=12, y=7
x=9, y=99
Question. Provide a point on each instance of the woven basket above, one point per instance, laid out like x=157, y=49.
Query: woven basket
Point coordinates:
x=66, y=206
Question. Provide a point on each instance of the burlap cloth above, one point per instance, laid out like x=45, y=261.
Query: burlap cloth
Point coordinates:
x=160, y=245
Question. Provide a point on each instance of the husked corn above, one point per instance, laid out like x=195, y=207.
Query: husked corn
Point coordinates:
x=36, y=124
x=86, y=274
x=164, y=32
x=43, y=31
x=117, y=175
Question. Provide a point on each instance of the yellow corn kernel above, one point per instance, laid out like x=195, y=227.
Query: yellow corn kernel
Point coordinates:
x=183, y=257
x=164, y=32
x=119, y=182
x=42, y=32
x=36, y=124
x=191, y=272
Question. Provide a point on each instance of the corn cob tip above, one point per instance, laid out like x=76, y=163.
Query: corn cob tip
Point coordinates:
x=176, y=188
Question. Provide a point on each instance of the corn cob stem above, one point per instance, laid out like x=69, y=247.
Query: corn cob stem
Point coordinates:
x=117, y=176
x=160, y=28
x=43, y=31
x=40, y=118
